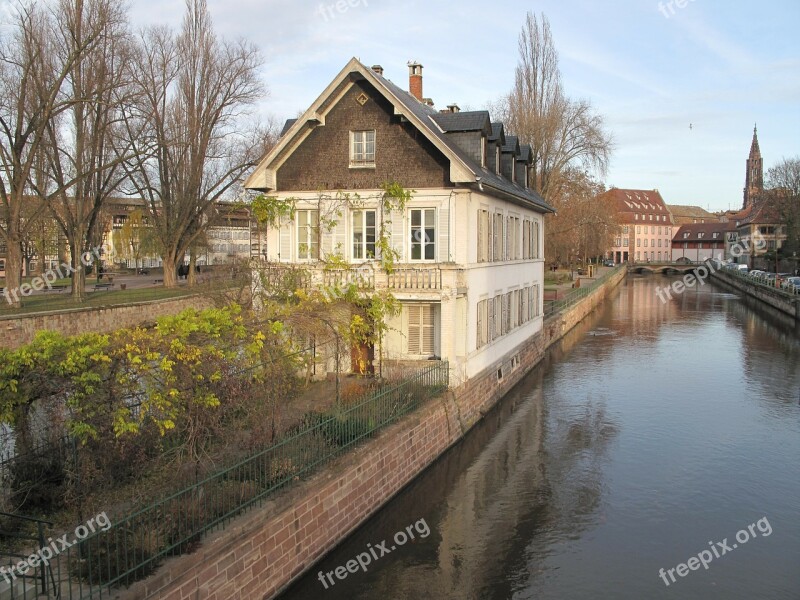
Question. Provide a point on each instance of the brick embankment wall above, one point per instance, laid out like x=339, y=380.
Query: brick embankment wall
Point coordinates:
x=18, y=331
x=775, y=298
x=261, y=552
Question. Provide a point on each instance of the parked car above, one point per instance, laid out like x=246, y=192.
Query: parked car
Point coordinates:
x=608, y=263
x=755, y=273
x=791, y=284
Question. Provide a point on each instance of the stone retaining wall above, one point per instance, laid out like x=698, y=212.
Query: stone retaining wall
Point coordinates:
x=19, y=330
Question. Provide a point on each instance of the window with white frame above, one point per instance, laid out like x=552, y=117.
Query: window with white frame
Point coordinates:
x=364, y=234
x=423, y=233
x=307, y=234
x=362, y=148
x=535, y=301
x=484, y=236
x=420, y=329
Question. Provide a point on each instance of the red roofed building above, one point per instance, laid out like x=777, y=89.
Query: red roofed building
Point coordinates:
x=700, y=241
x=647, y=226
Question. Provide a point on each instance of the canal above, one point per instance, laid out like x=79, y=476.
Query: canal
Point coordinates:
x=652, y=434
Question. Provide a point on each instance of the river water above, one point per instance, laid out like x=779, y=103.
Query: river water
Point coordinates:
x=653, y=433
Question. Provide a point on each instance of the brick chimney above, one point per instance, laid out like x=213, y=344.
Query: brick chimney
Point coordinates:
x=378, y=69
x=415, y=79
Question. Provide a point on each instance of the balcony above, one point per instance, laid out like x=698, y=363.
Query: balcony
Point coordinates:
x=403, y=278
x=422, y=278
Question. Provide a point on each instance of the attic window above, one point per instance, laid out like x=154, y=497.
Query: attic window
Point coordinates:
x=362, y=149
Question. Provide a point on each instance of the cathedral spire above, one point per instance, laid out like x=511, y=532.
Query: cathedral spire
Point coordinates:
x=754, y=176
x=755, y=151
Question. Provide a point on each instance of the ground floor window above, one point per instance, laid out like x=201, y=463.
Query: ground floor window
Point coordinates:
x=421, y=332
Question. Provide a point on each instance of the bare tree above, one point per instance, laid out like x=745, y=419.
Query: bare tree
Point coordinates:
x=32, y=76
x=564, y=134
x=582, y=226
x=84, y=148
x=783, y=183
x=192, y=145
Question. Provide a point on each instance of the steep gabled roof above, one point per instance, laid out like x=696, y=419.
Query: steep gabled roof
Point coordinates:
x=498, y=133
x=463, y=170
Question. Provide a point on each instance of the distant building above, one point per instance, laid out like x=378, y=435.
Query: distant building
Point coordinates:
x=756, y=229
x=700, y=241
x=683, y=215
x=647, y=226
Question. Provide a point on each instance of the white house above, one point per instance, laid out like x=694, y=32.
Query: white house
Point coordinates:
x=470, y=269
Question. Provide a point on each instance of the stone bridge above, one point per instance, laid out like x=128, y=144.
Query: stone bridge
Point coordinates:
x=667, y=267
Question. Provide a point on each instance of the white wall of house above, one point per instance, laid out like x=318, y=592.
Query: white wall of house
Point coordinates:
x=444, y=316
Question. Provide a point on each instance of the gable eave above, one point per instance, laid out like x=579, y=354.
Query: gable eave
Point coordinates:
x=263, y=177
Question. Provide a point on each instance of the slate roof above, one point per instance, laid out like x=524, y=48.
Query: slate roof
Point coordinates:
x=476, y=120
x=287, y=126
x=487, y=178
x=432, y=124
x=511, y=145
x=497, y=132
x=525, y=152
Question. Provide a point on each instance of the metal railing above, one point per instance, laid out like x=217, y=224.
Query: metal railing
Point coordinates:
x=135, y=544
x=761, y=281
x=35, y=582
x=574, y=296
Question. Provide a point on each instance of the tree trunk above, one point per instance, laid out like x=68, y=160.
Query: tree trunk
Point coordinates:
x=13, y=271
x=192, y=279
x=170, y=270
x=78, y=273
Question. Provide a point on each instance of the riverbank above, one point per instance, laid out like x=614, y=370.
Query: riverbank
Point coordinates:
x=774, y=298
x=262, y=552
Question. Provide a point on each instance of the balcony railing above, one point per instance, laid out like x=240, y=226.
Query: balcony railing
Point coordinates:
x=363, y=276
x=415, y=279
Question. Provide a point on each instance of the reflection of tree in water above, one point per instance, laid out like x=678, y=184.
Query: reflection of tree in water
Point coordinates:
x=770, y=351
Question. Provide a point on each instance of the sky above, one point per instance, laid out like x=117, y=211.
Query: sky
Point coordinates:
x=650, y=69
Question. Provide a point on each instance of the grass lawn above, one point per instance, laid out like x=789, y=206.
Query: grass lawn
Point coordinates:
x=556, y=278
x=62, y=300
